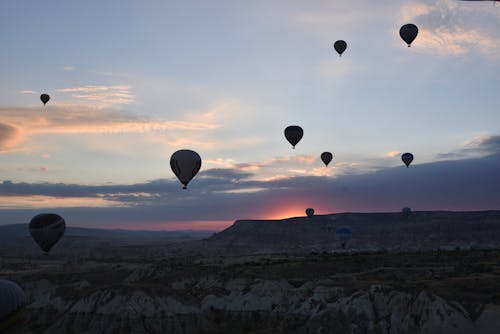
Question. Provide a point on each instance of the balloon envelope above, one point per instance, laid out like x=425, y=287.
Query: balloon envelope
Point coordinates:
x=45, y=98
x=310, y=212
x=46, y=229
x=408, y=33
x=185, y=164
x=326, y=157
x=407, y=158
x=340, y=46
x=12, y=301
x=293, y=134
x=344, y=234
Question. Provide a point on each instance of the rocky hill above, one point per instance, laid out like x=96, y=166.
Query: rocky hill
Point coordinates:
x=422, y=230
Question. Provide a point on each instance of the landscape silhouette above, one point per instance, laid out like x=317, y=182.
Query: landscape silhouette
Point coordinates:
x=263, y=167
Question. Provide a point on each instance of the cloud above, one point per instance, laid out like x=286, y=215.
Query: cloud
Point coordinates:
x=81, y=119
x=226, y=174
x=478, y=147
x=43, y=202
x=69, y=68
x=9, y=136
x=101, y=94
x=447, y=28
x=223, y=195
x=393, y=154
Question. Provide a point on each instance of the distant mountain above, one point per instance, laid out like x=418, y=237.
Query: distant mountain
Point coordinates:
x=370, y=231
x=15, y=240
x=22, y=230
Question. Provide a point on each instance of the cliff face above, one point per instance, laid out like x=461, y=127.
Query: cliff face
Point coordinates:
x=264, y=306
x=370, y=231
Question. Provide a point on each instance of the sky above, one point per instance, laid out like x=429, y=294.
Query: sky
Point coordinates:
x=131, y=82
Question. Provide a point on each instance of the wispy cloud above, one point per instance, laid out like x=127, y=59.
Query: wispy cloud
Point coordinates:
x=78, y=119
x=101, y=94
x=476, y=148
x=69, y=68
x=42, y=202
x=9, y=136
x=446, y=28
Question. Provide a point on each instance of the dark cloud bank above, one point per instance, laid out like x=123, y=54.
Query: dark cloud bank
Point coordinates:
x=218, y=194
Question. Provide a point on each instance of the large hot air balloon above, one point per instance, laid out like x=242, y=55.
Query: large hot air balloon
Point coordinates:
x=46, y=229
x=344, y=234
x=407, y=158
x=340, y=47
x=326, y=157
x=12, y=302
x=293, y=134
x=45, y=98
x=185, y=164
x=408, y=33
x=310, y=212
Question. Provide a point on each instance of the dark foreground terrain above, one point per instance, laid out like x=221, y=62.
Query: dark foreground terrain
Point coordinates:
x=424, y=272
x=456, y=291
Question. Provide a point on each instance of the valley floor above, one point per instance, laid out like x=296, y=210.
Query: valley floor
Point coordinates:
x=378, y=292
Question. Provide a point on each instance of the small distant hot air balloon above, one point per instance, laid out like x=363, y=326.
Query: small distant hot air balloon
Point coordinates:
x=408, y=33
x=45, y=98
x=326, y=157
x=293, y=134
x=407, y=158
x=344, y=234
x=340, y=46
x=46, y=229
x=12, y=303
x=310, y=212
x=185, y=164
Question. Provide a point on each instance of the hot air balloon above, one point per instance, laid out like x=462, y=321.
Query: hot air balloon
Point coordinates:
x=12, y=302
x=185, y=164
x=45, y=98
x=310, y=212
x=293, y=134
x=46, y=229
x=326, y=157
x=407, y=159
x=408, y=33
x=344, y=234
x=340, y=47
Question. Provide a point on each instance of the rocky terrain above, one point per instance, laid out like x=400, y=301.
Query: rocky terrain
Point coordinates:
x=382, y=292
x=428, y=272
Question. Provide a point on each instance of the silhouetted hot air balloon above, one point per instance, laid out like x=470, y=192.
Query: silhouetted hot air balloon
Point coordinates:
x=185, y=164
x=408, y=33
x=45, y=98
x=293, y=134
x=326, y=157
x=46, y=229
x=344, y=234
x=12, y=303
x=310, y=212
x=407, y=158
x=340, y=47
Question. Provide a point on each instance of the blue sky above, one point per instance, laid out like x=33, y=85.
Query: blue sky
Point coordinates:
x=131, y=82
